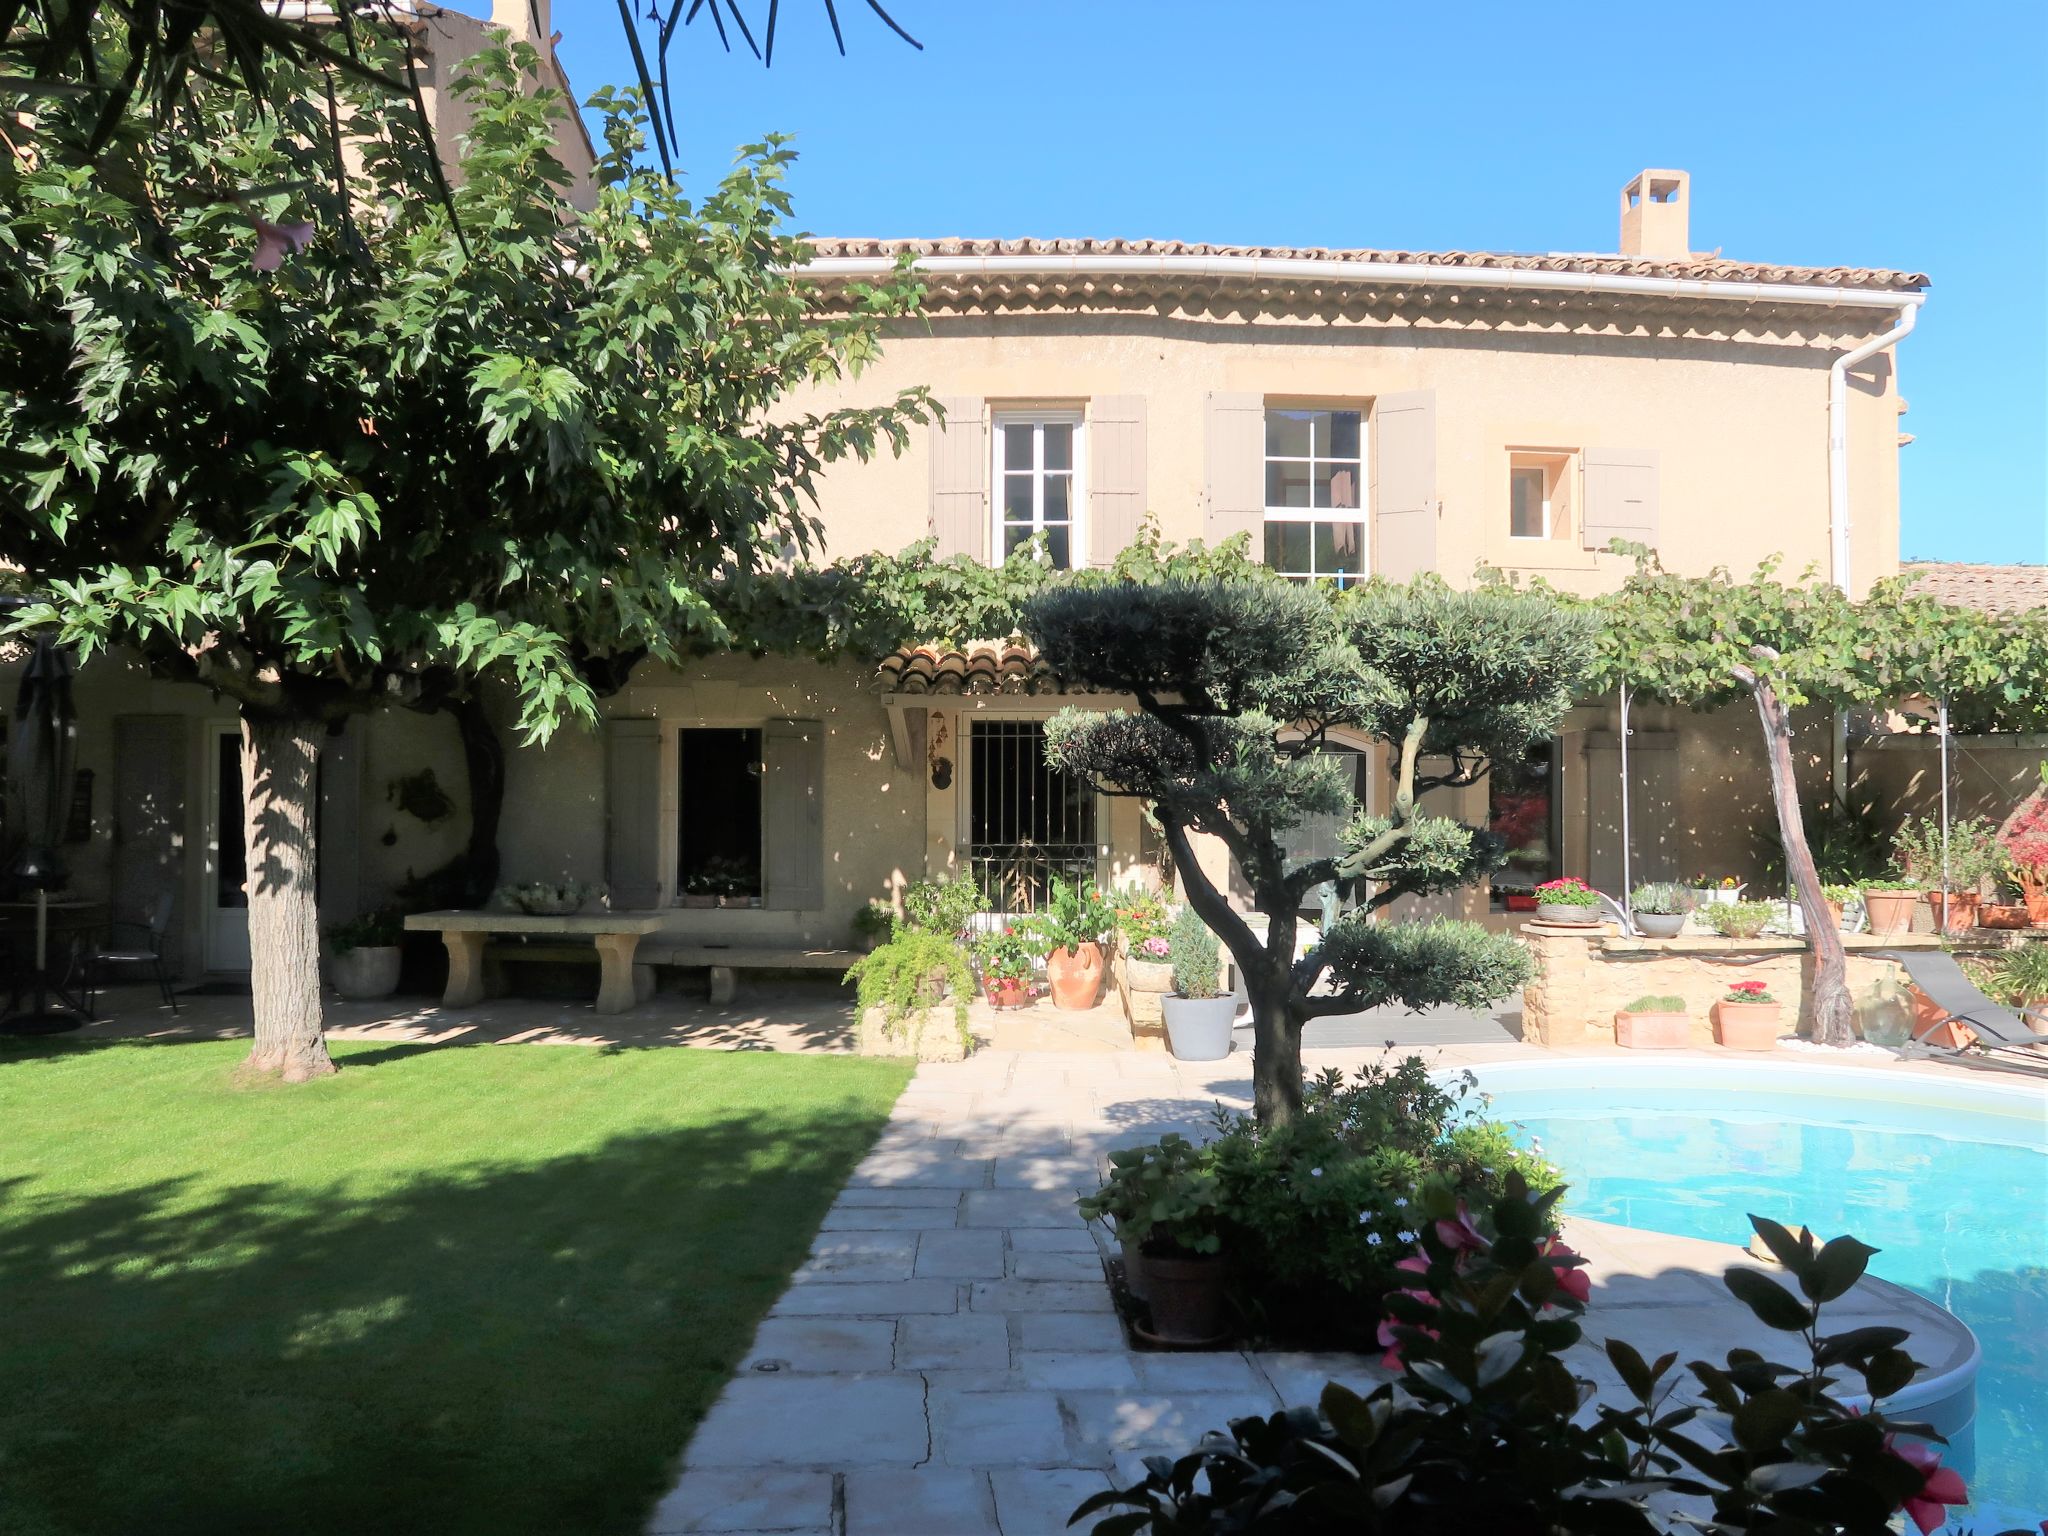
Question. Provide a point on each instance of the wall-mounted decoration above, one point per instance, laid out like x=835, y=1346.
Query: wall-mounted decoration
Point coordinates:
x=941, y=766
x=420, y=795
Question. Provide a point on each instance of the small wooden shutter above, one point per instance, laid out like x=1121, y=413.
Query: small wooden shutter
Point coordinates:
x=632, y=841
x=793, y=816
x=1234, y=434
x=1621, y=496
x=1116, y=475
x=960, y=450
x=1404, y=504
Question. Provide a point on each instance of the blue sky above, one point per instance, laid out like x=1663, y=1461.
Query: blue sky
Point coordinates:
x=1879, y=135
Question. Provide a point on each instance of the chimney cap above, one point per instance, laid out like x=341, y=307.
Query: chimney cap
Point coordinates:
x=1656, y=215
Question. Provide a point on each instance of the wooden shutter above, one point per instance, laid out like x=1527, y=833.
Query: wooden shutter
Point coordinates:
x=1621, y=496
x=632, y=840
x=793, y=816
x=960, y=450
x=1404, y=503
x=1115, y=472
x=1234, y=435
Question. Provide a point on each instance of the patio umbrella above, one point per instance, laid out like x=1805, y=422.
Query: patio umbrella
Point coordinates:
x=40, y=756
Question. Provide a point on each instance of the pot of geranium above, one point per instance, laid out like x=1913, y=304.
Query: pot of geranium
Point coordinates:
x=1198, y=1011
x=365, y=954
x=1660, y=909
x=1740, y=919
x=1074, y=924
x=1569, y=901
x=1004, y=958
x=1747, y=1018
x=1889, y=905
x=1653, y=1023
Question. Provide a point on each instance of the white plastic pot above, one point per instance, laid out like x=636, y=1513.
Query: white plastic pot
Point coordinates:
x=1198, y=1029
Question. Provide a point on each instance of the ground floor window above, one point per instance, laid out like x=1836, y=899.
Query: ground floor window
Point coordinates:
x=1028, y=821
x=720, y=783
x=1322, y=836
x=1522, y=810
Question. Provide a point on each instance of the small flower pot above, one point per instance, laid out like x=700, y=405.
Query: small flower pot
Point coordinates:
x=1890, y=912
x=1953, y=911
x=2035, y=893
x=1661, y=925
x=1003, y=993
x=1996, y=915
x=1835, y=915
x=1652, y=1031
x=1748, y=1026
x=366, y=973
x=1186, y=1293
x=1198, y=1028
x=1075, y=976
x=1575, y=917
x=699, y=901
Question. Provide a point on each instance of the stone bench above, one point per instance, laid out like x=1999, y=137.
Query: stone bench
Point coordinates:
x=623, y=978
x=726, y=961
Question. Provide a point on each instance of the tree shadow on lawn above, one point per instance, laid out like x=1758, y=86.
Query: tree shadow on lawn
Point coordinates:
x=501, y=1348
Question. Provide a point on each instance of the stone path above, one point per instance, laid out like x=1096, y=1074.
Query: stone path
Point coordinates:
x=947, y=1362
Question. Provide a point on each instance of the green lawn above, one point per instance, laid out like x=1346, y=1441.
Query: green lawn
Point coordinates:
x=485, y=1288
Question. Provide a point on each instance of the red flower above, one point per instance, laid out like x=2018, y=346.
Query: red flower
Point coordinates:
x=1939, y=1487
x=1572, y=1278
x=1461, y=1234
x=1391, y=1340
x=1746, y=986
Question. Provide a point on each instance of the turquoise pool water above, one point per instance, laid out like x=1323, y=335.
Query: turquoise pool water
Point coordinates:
x=1949, y=1180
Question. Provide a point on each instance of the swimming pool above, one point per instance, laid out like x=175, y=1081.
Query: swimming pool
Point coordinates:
x=1948, y=1178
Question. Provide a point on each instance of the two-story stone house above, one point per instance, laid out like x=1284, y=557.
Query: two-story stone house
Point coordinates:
x=1352, y=412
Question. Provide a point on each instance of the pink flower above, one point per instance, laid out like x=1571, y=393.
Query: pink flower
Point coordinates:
x=1461, y=1234
x=1391, y=1340
x=1939, y=1487
x=1571, y=1278
x=274, y=242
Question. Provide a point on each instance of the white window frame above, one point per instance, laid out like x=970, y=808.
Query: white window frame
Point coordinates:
x=1003, y=422
x=1543, y=473
x=1355, y=514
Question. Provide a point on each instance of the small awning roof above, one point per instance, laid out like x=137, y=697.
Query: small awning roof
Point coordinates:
x=978, y=667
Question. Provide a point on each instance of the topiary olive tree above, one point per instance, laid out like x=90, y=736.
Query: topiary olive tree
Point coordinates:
x=1240, y=685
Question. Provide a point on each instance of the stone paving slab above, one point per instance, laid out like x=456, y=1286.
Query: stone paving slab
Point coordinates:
x=962, y=1254
x=751, y=1500
x=864, y=1420
x=931, y=1501
x=1030, y=1502
x=998, y=1429
x=965, y=1340
x=824, y=1344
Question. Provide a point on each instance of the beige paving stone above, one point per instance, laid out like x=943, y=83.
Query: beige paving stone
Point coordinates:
x=814, y=1421
x=1067, y=1331
x=1204, y=1372
x=961, y=1254
x=1100, y=1369
x=896, y=1195
x=1038, y=1501
x=997, y=1429
x=890, y=1218
x=1300, y=1376
x=745, y=1500
x=1052, y=1240
x=1056, y=1266
x=931, y=1501
x=967, y=1341
x=840, y=1257
x=1018, y=1208
x=1064, y=1173
x=818, y=1344
x=872, y=1299
x=1105, y=1423
x=1041, y=1296
x=911, y=1170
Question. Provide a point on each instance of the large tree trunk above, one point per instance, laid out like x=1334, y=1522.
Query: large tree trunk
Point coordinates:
x=1276, y=1053
x=1833, y=1011
x=281, y=808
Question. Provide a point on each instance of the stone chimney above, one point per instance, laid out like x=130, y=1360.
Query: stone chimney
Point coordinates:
x=524, y=21
x=1656, y=209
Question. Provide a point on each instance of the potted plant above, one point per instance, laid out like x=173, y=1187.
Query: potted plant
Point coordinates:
x=1653, y=1023
x=1198, y=1011
x=1972, y=853
x=1569, y=900
x=901, y=986
x=1837, y=898
x=1889, y=905
x=2008, y=905
x=1175, y=1217
x=2024, y=838
x=2020, y=979
x=365, y=954
x=1074, y=924
x=873, y=922
x=697, y=892
x=1708, y=889
x=1005, y=957
x=1660, y=909
x=1137, y=1176
x=1739, y=919
x=1747, y=1017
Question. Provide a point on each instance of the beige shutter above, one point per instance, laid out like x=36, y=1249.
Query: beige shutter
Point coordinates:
x=1115, y=472
x=632, y=834
x=960, y=450
x=1404, y=503
x=1234, y=434
x=793, y=815
x=1621, y=497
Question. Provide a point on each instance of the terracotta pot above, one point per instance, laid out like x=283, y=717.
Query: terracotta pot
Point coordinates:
x=1891, y=912
x=1933, y=1026
x=1834, y=912
x=1652, y=1031
x=1995, y=915
x=1748, y=1026
x=1134, y=1270
x=698, y=900
x=1186, y=1295
x=2036, y=894
x=1075, y=976
x=1007, y=993
x=1954, y=911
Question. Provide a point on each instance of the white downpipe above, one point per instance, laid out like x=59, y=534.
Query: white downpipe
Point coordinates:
x=1627, y=883
x=1946, y=917
x=1838, y=434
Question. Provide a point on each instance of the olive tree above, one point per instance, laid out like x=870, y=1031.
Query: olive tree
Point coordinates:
x=302, y=436
x=1239, y=687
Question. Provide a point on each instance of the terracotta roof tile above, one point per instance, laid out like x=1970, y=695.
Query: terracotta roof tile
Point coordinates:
x=1711, y=268
x=1990, y=588
x=979, y=666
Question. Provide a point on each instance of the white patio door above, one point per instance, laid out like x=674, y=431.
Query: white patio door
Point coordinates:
x=225, y=903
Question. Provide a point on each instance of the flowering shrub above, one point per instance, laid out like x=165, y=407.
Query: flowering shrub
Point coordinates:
x=1006, y=955
x=1154, y=948
x=1705, y=882
x=1571, y=891
x=2024, y=837
x=1489, y=1430
x=1141, y=916
x=1748, y=992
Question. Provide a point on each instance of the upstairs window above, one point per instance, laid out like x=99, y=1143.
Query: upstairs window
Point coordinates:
x=1315, y=506
x=1038, y=484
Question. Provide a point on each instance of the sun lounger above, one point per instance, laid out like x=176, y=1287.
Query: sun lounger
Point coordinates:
x=2000, y=1032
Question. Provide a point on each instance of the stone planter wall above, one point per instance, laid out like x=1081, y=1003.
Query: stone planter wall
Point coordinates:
x=1140, y=984
x=935, y=1037
x=1584, y=976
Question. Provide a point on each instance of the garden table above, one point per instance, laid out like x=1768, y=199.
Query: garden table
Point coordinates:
x=615, y=934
